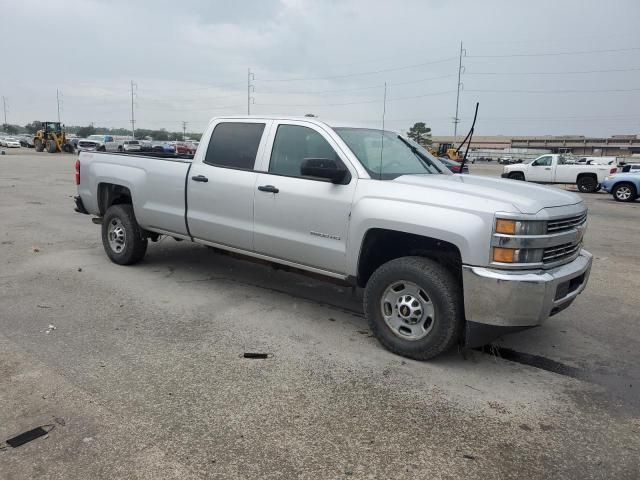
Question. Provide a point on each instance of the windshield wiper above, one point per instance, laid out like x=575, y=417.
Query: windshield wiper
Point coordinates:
x=426, y=161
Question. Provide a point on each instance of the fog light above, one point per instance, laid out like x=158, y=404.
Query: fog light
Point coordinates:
x=503, y=255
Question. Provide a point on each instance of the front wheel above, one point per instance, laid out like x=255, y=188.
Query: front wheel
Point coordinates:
x=625, y=192
x=122, y=237
x=414, y=307
x=517, y=176
x=38, y=145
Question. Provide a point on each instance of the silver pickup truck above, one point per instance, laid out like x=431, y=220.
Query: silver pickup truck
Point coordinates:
x=443, y=259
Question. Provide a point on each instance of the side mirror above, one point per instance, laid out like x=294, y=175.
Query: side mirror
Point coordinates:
x=324, y=168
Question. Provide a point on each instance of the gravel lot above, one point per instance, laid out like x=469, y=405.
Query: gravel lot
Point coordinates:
x=142, y=376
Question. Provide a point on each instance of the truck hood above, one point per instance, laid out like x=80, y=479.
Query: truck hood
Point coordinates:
x=525, y=197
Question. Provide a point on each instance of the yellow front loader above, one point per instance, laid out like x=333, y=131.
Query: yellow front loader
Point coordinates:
x=51, y=138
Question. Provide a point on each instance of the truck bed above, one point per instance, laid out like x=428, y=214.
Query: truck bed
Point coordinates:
x=156, y=182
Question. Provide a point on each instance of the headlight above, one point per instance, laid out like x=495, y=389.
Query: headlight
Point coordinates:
x=520, y=227
x=609, y=177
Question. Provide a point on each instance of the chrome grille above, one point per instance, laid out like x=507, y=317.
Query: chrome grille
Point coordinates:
x=560, y=252
x=562, y=225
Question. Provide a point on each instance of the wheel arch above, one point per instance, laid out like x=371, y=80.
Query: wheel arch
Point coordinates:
x=112, y=194
x=381, y=245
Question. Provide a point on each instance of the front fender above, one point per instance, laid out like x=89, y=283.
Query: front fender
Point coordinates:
x=469, y=231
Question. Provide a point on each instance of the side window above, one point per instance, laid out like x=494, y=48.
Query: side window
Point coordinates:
x=293, y=144
x=543, y=162
x=234, y=145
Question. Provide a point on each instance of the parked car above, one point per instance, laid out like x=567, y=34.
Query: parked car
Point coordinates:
x=100, y=143
x=185, y=148
x=630, y=167
x=624, y=187
x=553, y=168
x=11, y=142
x=432, y=250
x=26, y=141
x=453, y=165
x=163, y=148
x=131, y=146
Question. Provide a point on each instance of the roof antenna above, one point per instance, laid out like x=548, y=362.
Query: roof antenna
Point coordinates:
x=469, y=136
x=384, y=110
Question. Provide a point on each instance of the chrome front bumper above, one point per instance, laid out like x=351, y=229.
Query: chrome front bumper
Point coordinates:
x=523, y=299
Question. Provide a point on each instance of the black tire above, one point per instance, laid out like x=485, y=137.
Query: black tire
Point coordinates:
x=102, y=149
x=134, y=245
x=120, y=149
x=441, y=288
x=587, y=184
x=625, y=192
x=68, y=148
x=38, y=145
x=517, y=176
x=52, y=147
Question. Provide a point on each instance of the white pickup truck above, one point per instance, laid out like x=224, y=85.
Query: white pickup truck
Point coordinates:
x=443, y=258
x=554, y=168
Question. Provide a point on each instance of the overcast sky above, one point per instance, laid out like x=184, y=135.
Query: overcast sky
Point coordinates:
x=545, y=67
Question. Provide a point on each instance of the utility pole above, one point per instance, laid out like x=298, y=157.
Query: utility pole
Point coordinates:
x=250, y=88
x=456, y=119
x=58, y=102
x=133, y=119
x=4, y=107
x=184, y=131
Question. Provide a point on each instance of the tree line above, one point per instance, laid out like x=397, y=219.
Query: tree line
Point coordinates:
x=84, y=131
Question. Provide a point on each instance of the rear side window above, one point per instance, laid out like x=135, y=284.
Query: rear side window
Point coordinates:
x=234, y=145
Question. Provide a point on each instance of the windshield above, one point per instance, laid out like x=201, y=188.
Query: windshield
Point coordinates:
x=95, y=137
x=388, y=156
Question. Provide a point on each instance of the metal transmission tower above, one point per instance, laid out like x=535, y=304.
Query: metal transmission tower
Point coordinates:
x=456, y=119
x=250, y=88
x=58, y=101
x=4, y=108
x=134, y=88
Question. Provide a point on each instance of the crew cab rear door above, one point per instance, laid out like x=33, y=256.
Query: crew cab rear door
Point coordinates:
x=222, y=182
x=298, y=218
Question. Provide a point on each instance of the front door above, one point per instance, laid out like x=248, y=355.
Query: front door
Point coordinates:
x=221, y=184
x=540, y=170
x=302, y=219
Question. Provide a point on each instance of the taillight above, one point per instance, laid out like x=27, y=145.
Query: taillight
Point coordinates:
x=613, y=170
x=456, y=168
x=78, y=172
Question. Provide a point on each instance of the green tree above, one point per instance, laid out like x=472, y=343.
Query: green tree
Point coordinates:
x=420, y=133
x=161, y=135
x=84, y=132
x=10, y=129
x=33, y=127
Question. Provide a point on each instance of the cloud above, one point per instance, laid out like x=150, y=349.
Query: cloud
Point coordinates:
x=190, y=60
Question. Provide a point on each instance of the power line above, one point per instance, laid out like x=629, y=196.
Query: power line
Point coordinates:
x=357, y=103
x=346, y=75
x=553, y=54
x=370, y=87
x=575, y=72
x=613, y=90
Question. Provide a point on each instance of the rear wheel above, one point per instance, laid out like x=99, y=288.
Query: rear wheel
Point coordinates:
x=122, y=238
x=625, y=192
x=516, y=176
x=587, y=184
x=414, y=307
x=52, y=147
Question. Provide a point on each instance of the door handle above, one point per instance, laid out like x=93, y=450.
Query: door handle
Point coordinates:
x=200, y=178
x=268, y=188
x=547, y=168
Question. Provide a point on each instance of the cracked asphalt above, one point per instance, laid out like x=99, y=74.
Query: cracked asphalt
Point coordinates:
x=143, y=376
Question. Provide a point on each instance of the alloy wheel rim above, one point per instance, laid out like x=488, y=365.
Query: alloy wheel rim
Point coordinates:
x=407, y=310
x=117, y=235
x=623, y=193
